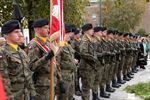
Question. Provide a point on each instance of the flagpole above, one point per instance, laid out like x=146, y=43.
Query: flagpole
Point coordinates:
x=52, y=66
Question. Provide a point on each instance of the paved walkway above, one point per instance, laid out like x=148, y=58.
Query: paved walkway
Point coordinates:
x=120, y=94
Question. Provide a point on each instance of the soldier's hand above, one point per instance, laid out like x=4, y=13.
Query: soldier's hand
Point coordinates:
x=49, y=55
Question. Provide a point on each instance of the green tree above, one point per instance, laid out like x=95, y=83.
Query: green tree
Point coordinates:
x=124, y=15
x=74, y=10
x=142, y=32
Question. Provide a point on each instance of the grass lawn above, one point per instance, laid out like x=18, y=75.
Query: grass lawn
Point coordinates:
x=141, y=89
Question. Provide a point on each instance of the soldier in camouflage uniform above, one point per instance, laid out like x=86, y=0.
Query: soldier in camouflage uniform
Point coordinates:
x=105, y=50
x=67, y=65
x=39, y=53
x=121, y=62
x=14, y=65
x=118, y=59
x=111, y=59
x=75, y=45
x=126, y=62
x=100, y=63
x=88, y=61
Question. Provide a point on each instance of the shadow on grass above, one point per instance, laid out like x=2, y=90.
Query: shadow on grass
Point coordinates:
x=141, y=89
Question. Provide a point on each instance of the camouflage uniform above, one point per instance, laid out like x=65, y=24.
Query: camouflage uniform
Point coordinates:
x=122, y=61
x=87, y=66
x=41, y=68
x=75, y=45
x=16, y=73
x=67, y=66
x=100, y=64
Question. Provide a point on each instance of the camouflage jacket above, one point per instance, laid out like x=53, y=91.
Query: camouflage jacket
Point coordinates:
x=15, y=72
x=65, y=58
x=88, y=54
x=38, y=64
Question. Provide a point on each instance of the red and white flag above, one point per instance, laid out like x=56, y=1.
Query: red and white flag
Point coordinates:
x=57, y=21
x=2, y=91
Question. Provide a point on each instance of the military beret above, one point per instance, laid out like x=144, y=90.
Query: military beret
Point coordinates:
x=104, y=28
x=40, y=23
x=97, y=29
x=125, y=34
x=109, y=32
x=10, y=26
x=73, y=27
x=115, y=32
x=77, y=32
x=120, y=33
x=87, y=27
x=70, y=28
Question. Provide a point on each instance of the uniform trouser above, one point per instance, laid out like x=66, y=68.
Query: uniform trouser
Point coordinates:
x=120, y=67
x=130, y=61
x=77, y=77
x=125, y=66
x=110, y=72
x=43, y=93
x=115, y=70
x=104, y=76
x=87, y=79
x=98, y=78
x=68, y=80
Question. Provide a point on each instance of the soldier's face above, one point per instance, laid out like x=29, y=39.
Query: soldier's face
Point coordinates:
x=90, y=32
x=44, y=31
x=13, y=36
x=104, y=33
x=99, y=33
x=21, y=39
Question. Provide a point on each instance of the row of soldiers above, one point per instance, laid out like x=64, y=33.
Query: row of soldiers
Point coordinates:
x=105, y=55
x=99, y=57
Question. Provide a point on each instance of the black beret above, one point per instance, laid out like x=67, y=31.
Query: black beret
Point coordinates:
x=97, y=29
x=125, y=34
x=10, y=26
x=109, y=32
x=115, y=32
x=104, y=28
x=68, y=28
x=87, y=27
x=40, y=23
x=120, y=33
x=77, y=32
x=73, y=27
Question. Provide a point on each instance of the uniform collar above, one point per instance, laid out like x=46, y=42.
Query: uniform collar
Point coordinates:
x=41, y=39
x=13, y=46
x=88, y=37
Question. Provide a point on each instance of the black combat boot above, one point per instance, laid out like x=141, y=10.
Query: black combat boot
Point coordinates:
x=126, y=78
x=95, y=96
x=77, y=86
x=129, y=75
x=103, y=93
x=115, y=84
x=109, y=88
x=120, y=81
x=77, y=90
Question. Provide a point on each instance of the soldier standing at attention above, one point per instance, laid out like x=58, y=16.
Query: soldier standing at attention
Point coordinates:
x=39, y=53
x=88, y=61
x=75, y=45
x=100, y=63
x=67, y=65
x=14, y=65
